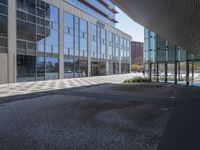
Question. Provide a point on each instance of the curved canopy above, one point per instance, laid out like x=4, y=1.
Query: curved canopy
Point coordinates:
x=176, y=20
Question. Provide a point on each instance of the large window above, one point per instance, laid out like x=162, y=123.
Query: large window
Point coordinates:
x=110, y=46
x=25, y=68
x=75, y=45
x=116, y=52
x=68, y=67
x=3, y=26
x=76, y=36
x=103, y=43
x=68, y=34
x=93, y=41
x=40, y=68
x=98, y=42
x=37, y=37
x=83, y=38
x=52, y=29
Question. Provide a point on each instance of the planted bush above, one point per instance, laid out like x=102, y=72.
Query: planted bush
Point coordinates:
x=137, y=80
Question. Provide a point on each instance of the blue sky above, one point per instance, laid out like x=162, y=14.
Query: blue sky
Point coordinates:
x=127, y=25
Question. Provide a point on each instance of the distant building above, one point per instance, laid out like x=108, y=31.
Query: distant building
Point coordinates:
x=137, y=53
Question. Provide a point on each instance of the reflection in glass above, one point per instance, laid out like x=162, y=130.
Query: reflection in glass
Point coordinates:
x=68, y=34
x=26, y=68
x=37, y=30
x=68, y=67
x=83, y=68
x=40, y=68
x=51, y=68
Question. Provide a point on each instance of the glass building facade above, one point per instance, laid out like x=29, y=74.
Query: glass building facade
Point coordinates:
x=60, y=39
x=167, y=62
x=97, y=8
x=3, y=26
x=37, y=40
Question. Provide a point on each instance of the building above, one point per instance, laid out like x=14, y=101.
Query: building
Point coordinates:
x=41, y=40
x=137, y=53
x=167, y=62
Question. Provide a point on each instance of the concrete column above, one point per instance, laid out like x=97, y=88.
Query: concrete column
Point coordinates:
x=61, y=43
x=187, y=69
x=120, y=62
x=89, y=50
x=175, y=65
x=12, y=47
x=107, y=62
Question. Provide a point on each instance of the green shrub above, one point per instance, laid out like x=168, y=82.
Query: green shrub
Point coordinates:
x=137, y=80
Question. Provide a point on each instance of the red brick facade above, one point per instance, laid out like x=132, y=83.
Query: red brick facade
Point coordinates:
x=137, y=52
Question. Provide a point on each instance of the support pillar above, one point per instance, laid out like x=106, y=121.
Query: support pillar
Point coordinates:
x=90, y=51
x=179, y=71
x=61, y=44
x=12, y=45
x=150, y=71
x=157, y=64
x=187, y=69
x=192, y=71
x=166, y=70
x=175, y=65
x=157, y=72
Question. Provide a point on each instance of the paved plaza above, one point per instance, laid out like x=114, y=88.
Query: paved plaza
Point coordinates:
x=98, y=113
x=49, y=85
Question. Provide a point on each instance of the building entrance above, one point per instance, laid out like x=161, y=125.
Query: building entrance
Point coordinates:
x=98, y=68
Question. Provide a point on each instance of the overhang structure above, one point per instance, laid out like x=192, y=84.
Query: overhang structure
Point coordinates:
x=176, y=20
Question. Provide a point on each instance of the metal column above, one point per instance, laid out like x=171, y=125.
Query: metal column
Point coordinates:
x=150, y=69
x=179, y=71
x=175, y=64
x=157, y=73
x=187, y=69
x=157, y=64
x=192, y=71
x=166, y=70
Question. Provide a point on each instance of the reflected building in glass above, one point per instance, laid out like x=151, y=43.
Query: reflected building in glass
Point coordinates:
x=43, y=40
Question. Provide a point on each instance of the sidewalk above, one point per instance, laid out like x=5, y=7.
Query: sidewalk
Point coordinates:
x=22, y=88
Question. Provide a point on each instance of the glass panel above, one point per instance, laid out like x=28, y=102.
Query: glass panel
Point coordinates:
x=83, y=38
x=68, y=67
x=68, y=34
x=110, y=46
x=52, y=68
x=40, y=68
x=83, y=68
x=3, y=26
x=26, y=31
x=26, y=68
x=93, y=41
x=77, y=69
x=3, y=9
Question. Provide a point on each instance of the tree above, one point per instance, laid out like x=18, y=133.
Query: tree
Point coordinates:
x=135, y=67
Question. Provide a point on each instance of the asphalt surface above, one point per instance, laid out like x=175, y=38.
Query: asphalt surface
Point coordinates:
x=106, y=116
x=182, y=131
